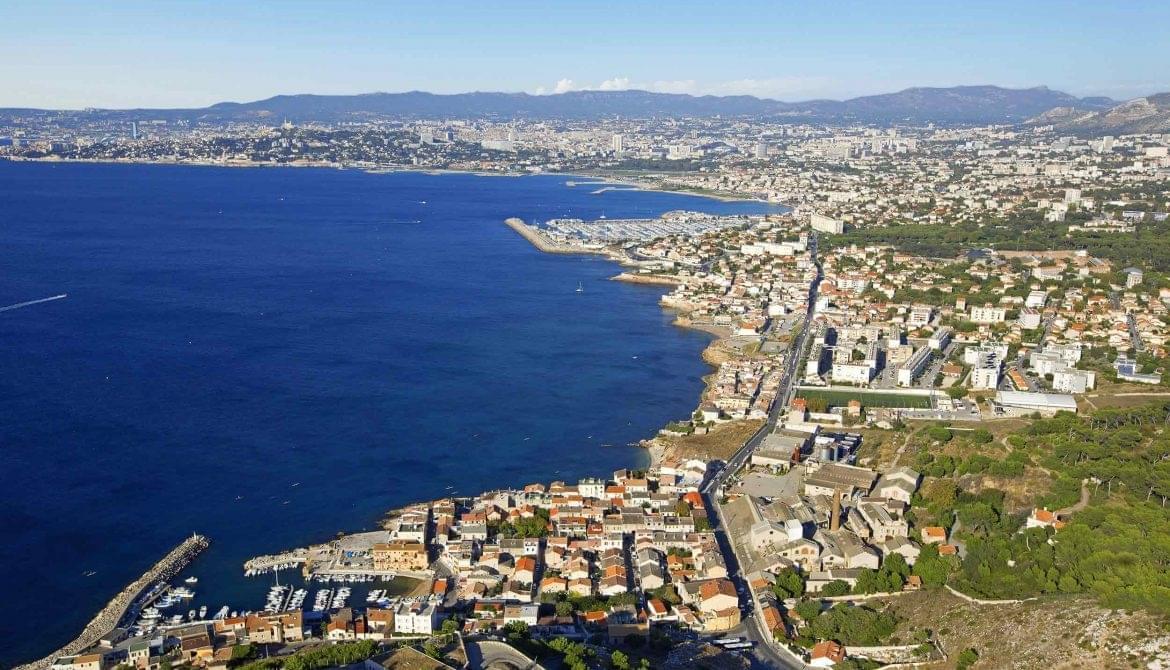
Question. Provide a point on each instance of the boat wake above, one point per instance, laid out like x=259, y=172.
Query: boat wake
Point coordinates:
x=30, y=303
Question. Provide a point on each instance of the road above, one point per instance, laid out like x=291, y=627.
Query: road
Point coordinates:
x=787, y=386
x=1135, y=338
x=763, y=654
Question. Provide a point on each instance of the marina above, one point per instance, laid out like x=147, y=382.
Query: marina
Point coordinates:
x=129, y=601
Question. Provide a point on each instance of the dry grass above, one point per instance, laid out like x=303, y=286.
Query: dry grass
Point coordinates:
x=1055, y=633
x=1117, y=396
x=723, y=441
x=879, y=447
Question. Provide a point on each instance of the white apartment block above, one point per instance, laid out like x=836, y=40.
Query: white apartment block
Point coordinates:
x=853, y=373
x=985, y=374
x=826, y=224
x=988, y=314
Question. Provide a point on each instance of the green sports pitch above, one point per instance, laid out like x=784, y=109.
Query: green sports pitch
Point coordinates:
x=839, y=398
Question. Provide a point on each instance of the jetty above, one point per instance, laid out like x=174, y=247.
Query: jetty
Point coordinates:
x=114, y=611
x=545, y=243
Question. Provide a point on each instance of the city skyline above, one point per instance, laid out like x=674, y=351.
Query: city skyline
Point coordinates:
x=143, y=55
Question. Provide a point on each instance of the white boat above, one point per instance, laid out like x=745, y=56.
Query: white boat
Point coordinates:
x=192, y=580
x=580, y=288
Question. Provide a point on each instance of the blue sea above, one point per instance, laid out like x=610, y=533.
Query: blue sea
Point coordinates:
x=271, y=356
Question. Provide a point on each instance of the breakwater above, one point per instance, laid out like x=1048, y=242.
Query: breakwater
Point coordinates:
x=544, y=242
x=111, y=615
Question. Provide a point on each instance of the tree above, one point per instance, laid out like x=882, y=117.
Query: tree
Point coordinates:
x=564, y=608
x=930, y=567
x=835, y=588
x=852, y=625
x=868, y=582
x=956, y=392
x=619, y=661
x=966, y=659
x=808, y=609
x=788, y=584
x=939, y=433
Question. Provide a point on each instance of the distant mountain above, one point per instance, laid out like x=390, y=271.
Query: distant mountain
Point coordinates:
x=1150, y=114
x=961, y=104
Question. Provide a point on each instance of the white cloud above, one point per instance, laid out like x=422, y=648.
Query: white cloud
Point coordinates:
x=791, y=88
x=673, y=86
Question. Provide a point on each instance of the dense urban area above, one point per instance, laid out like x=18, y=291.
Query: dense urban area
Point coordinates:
x=934, y=431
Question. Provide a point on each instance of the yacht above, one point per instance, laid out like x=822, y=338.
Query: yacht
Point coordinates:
x=192, y=580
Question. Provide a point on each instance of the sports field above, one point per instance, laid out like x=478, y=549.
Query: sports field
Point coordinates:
x=840, y=398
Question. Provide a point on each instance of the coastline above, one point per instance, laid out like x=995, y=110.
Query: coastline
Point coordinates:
x=713, y=354
x=612, y=180
x=656, y=452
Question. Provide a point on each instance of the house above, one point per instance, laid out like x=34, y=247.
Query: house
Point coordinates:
x=526, y=613
x=138, y=654
x=839, y=479
x=525, y=570
x=620, y=633
x=934, y=535
x=716, y=595
x=1042, y=518
x=400, y=555
x=900, y=545
x=416, y=618
x=658, y=611
x=343, y=625
x=826, y=654
x=897, y=484
x=379, y=623
x=81, y=662
x=820, y=579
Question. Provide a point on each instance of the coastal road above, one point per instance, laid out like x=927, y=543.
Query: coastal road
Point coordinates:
x=763, y=654
x=787, y=385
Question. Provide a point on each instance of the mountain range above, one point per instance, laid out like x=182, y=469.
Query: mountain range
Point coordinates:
x=954, y=105
x=1150, y=114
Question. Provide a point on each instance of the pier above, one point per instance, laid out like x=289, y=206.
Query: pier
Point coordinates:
x=114, y=611
x=544, y=242
x=283, y=561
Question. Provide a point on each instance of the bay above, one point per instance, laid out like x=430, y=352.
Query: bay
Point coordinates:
x=271, y=356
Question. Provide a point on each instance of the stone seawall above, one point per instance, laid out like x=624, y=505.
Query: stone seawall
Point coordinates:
x=111, y=615
x=544, y=242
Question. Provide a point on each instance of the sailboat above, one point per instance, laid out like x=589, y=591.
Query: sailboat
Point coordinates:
x=580, y=288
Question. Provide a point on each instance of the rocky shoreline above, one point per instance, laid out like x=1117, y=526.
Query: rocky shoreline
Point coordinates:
x=713, y=354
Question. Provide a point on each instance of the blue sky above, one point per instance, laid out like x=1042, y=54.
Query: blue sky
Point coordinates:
x=172, y=54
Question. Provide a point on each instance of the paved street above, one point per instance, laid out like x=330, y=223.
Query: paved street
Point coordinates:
x=763, y=654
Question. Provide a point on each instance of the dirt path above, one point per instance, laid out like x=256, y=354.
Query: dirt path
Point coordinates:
x=1081, y=504
x=1007, y=445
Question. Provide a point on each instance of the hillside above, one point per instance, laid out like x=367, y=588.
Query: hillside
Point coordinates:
x=961, y=104
x=1150, y=114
